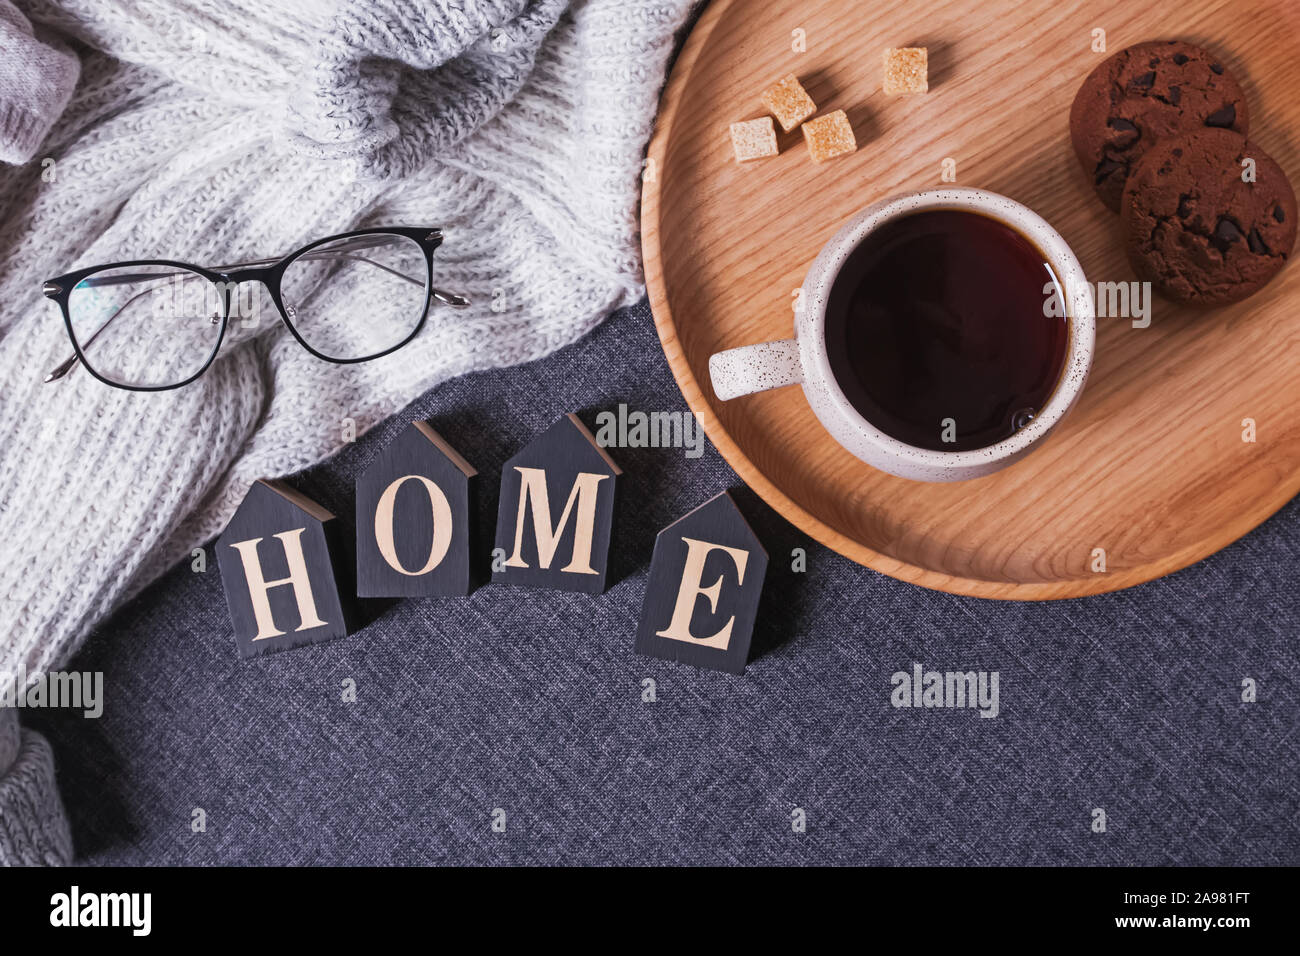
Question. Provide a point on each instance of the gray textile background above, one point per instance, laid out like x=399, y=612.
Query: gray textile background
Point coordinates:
x=530, y=700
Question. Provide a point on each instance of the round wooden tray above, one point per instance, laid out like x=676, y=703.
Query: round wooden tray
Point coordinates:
x=1151, y=466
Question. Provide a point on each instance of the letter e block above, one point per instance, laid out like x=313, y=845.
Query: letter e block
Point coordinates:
x=414, y=518
x=277, y=567
x=706, y=577
x=557, y=511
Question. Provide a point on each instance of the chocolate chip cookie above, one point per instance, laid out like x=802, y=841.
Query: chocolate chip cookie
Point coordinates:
x=1144, y=94
x=1196, y=228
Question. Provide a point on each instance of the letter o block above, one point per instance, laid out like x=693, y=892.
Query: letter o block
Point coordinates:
x=415, y=512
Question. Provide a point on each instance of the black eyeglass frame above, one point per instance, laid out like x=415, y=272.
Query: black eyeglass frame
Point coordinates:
x=226, y=278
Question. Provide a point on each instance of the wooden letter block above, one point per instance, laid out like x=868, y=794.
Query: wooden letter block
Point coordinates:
x=706, y=577
x=556, y=512
x=277, y=567
x=414, y=513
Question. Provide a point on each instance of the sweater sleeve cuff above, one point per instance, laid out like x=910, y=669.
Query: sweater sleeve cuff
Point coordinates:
x=38, y=72
x=33, y=828
x=20, y=133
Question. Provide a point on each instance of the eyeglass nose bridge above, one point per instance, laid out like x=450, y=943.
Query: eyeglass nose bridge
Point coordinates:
x=235, y=277
x=230, y=280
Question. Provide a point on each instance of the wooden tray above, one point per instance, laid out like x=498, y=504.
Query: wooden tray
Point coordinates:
x=1151, y=465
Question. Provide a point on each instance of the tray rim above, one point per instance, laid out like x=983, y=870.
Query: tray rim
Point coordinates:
x=665, y=327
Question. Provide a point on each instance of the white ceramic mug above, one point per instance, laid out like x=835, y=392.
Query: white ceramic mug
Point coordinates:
x=803, y=359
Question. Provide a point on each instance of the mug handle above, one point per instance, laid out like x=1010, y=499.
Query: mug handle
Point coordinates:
x=755, y=368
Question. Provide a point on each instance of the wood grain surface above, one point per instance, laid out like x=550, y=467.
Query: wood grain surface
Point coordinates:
x=1151, y=466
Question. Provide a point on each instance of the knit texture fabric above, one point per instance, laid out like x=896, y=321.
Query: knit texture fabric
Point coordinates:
x=33, y=829
x=213, y=132
x=37, y=74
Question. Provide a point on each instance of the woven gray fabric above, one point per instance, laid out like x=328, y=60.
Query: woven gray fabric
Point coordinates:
x=532, y=702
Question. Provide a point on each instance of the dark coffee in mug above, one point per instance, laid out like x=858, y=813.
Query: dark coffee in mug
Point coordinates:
x=941, y=329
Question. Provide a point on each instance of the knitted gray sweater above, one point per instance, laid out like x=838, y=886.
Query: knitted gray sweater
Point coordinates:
x=220, y=130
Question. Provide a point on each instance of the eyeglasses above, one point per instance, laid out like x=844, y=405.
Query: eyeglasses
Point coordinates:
x=154, y=324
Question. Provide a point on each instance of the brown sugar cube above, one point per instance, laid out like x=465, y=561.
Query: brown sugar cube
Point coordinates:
x=829, y=136
x=906, y=70
x=789, y=102
x=753, y=139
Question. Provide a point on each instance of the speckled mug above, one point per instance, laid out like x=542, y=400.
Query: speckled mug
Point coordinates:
x=803, y=360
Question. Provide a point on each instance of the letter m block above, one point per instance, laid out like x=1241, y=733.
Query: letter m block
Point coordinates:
x=557, y=511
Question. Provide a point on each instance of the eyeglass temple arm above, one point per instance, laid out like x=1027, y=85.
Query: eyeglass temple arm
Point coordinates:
x=63, y=368
x=447, y=298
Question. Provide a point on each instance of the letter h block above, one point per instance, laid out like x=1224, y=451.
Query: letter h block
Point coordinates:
x=277, y=558
x=556, y=512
